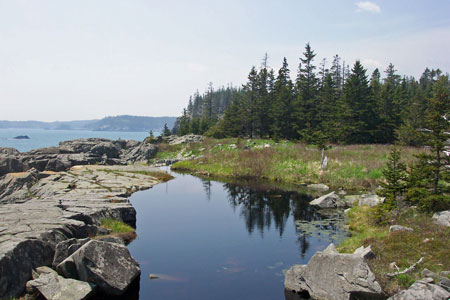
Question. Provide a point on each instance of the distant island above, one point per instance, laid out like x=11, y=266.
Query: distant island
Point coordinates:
x=116, y=123
x=21, y=137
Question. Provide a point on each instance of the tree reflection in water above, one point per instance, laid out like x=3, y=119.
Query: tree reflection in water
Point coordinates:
x=260, y=206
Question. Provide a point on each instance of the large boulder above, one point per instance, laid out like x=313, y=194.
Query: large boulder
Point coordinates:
x=442, y=218
x=80, y=145
x=330, y=275
x=106, y=148
x=54, y=287
x=331, y=200
x=370, y=200
x=421, y=290
x=108, y=265
x=141, y=153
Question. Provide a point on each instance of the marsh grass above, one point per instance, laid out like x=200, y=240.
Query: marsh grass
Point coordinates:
x=116, y=226
x=353, y=167
x=428, y=240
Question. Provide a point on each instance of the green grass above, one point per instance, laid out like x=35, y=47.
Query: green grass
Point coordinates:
x=362, y=228
x=355, y=167
x=116, y=226
x=428, y=240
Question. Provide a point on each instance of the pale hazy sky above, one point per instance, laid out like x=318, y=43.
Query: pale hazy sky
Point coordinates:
x=85, y=59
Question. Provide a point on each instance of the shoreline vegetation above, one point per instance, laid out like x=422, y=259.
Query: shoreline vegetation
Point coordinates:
x=351, y=168
x=354, y=168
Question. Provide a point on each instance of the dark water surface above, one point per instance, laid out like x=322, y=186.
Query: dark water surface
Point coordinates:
x=213, y=240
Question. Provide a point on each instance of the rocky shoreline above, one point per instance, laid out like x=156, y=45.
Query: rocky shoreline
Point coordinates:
x=53, y=194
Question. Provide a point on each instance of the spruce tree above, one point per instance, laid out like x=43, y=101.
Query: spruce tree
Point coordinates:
x=166, y=130
x=308, y=116
x=282, y=106
x=358, y=115
x=429, y=183
x=388, y=106
x=396, y=178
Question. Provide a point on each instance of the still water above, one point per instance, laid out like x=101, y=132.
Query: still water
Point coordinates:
x=40, y=138
x=214, y=240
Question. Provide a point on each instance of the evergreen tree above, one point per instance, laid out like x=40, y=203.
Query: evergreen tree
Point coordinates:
x=396, y=178
x=437, y=120
x=358, y=116
x=429, y=184
x=282, y=106
x=388, y=106
x=336, y=73
x=166, y=130
x=249, y=103
x=263, y=99
x=413, y=123
x=308, y=115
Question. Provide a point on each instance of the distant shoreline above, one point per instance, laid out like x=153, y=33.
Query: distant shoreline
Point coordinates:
x=123, y=123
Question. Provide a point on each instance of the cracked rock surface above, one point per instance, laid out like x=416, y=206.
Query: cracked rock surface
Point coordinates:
x=60, y=206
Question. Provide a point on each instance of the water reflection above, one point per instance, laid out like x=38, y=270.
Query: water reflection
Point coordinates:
x=224, y=239
x=260, y=207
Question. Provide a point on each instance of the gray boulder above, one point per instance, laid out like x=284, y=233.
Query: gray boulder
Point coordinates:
x=66, y=248
x=141, y=153
x=365, y=252
x=80, y=145
x=105, y=148
x=442, y=218
x=370, y=200
x=399, y=228
x=334, y=276
x=54, y=287
x=421, y=290
x=331, y=200
x=318, y=187
x=444, y=282
x=108, y=265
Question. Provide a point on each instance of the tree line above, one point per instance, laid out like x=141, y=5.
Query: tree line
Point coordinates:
x=322, y=105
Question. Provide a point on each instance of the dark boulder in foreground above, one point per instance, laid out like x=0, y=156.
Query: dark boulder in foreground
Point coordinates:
x=333, y=276
x=107, y=265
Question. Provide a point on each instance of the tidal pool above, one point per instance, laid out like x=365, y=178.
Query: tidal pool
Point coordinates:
x=203, y=239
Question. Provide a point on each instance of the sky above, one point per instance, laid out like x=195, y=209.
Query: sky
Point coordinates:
x=84, y=59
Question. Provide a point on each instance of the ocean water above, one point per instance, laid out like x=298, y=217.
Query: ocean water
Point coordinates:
x=40, y=138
